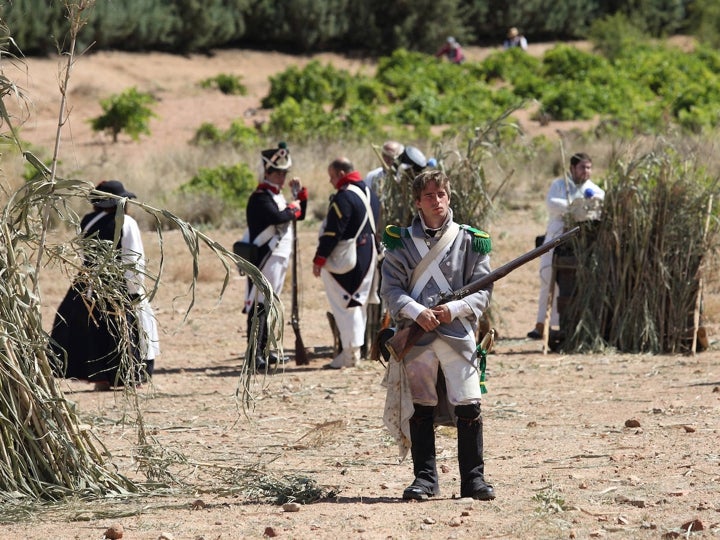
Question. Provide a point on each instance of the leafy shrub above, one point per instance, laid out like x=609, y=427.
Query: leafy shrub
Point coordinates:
x=231, y=184
x=512, y=65
x=614, y=34
x=129, y=112
x=307, y=119
x=565, y=62
x=315, y=82
x=237, y=135
x=227, y=84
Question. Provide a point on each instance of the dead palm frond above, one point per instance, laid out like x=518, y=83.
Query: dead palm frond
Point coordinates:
x=45, y=454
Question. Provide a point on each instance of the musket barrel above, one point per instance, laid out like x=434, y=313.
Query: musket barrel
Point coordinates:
x=404, y=339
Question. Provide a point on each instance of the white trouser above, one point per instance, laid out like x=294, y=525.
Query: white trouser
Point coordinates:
x=274, y=270
x=545, y=279
x=462, y=377
x=351, y=321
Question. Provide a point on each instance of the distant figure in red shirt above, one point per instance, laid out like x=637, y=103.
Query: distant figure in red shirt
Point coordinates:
x=452, y=50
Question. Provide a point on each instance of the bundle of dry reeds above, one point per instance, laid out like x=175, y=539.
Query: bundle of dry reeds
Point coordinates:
x=45, y=453
x=639, y=269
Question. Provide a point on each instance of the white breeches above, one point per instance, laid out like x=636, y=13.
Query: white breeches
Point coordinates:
x=274, y=270
x=462, y=377
x=351, y=321
x=545, y=279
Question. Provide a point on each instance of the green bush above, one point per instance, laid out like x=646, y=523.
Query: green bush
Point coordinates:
x=129, y=112
x=238, y=135
x=315, y=82
x=227, y=84
x=305, y=120
x=512, y=65
x=614, y=34
x=231, y=184
x=565, y=62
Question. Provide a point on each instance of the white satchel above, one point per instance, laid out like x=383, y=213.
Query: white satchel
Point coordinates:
x=343, y=257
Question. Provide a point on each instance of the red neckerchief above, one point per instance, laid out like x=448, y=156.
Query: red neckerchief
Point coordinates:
x=271, y=187
x=353, y=176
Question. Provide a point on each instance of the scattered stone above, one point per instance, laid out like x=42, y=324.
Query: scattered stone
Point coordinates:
x=271, y=532
x=465, y=513
x=634, y=480
x=532, y=423
x=455, y=522
x=597, y=534
x=648, y=525
x=444, y=468
x=622, y=520
x=166, y=536
x=689, y=429
x=429, y=521
x=115, y=531
x=197, y=504
x=384, y=486
x=572, y=534
x=291, y=507
x=632, y=422
x=583, y=485
x=716, y=389
x=693, y=526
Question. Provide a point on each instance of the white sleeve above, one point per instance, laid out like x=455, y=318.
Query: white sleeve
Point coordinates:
x=133, y=256
x=412, y=310
x=459, y=309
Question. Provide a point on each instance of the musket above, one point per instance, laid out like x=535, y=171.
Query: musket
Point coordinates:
x=301, y=358
x=405, y=338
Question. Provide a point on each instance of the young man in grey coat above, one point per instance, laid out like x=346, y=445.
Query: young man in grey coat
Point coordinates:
x=435, y=255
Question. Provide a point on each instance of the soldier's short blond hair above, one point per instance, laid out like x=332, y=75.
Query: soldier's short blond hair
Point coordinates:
x=431, y=175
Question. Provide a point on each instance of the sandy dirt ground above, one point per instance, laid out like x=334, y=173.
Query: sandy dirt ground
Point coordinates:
x=584, y=446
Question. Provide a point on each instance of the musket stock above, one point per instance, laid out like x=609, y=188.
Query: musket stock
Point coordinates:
x=405, y=338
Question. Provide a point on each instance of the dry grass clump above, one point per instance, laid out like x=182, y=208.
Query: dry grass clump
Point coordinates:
x=640, y=269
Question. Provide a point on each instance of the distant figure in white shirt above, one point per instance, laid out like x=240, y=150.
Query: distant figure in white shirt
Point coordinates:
x=515, y=39
x=563, y=191
x=391, y=151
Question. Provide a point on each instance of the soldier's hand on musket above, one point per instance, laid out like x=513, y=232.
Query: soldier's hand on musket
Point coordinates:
x=295, y=186
x=428, y=320
x=442, y=313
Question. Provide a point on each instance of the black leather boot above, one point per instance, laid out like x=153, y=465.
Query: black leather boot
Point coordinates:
x=470, y=453
x=422, y=435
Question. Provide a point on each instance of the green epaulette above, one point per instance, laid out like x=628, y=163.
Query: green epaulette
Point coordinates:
x=392, y=236
x=481, y=240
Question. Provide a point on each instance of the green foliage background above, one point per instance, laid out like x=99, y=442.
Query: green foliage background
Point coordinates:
x=371, y=27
